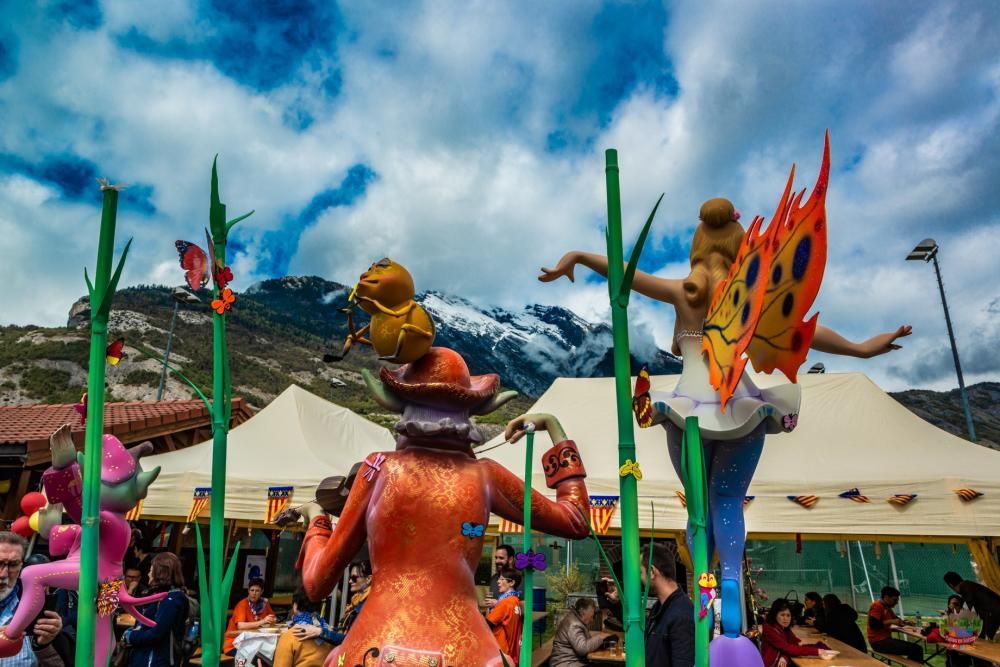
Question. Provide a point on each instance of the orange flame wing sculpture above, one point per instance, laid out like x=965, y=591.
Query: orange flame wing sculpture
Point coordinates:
x=734, y=311
x=782, y=337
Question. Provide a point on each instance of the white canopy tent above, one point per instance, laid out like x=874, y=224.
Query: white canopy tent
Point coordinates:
x=297, y=440
x=850, y=434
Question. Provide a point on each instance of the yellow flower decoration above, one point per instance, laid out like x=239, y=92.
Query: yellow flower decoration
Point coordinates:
x=630, y=468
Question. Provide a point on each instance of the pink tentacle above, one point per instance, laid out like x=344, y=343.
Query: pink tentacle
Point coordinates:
x=138, y=616
x=130, y=603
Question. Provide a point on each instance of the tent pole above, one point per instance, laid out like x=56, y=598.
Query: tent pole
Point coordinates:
x=347, y=589
x=569, y=556
x=850, y=573
x=895, y=578
x=864, y=566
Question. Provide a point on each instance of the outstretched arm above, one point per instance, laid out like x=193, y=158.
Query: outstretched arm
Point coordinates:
x=564, y=472
x=662, y=289
x=326, y=551
x=828, y=340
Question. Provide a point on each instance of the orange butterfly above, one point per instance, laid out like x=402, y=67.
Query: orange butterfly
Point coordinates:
x=114, y=351
x=225, y=303
x=642, y=404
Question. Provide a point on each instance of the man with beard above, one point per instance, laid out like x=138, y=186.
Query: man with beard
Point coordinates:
x=38, y=652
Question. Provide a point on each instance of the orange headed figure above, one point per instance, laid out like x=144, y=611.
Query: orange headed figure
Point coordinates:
x=400, y=330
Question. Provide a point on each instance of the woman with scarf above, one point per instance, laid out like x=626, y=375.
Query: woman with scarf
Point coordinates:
x=294, y=651
x=250, y=613
x=154, y=646
x=360, y=585
x=505, y=618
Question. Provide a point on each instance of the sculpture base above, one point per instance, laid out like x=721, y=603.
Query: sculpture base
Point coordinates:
x=734, y=652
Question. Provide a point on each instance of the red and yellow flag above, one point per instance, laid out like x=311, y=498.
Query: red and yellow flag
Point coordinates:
x=602, y=508
x=199, y=503
x=278, y=498
x=134, y=513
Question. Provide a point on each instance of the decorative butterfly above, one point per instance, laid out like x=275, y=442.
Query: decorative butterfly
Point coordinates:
x=114, y=351
x=81, y=409
x=472, y=530
x=194, y=261
x=222, y=277
x=781, y=339
x=225, y=303
x=790, y=421
x=642, y=404
x=529, y=561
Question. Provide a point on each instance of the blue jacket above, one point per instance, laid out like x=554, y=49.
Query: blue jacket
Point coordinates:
x=151, y=646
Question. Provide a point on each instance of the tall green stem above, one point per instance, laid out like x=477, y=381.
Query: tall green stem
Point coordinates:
x=524, y=659
x=101, y=294
x=629, y=503
x=696, y=493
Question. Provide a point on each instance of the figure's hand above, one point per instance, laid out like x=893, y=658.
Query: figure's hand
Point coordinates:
x=63, y=449
x=886, y=342
x=563, y=268
x=310, y=511
x=517, y=427
x=782, y=662
x=306, y=631
x=49, y=517
x=47, y=628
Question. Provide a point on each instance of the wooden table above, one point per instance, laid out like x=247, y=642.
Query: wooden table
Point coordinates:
x=849, y=656
x=982, y=649
x=914, y=633
x=606, y=656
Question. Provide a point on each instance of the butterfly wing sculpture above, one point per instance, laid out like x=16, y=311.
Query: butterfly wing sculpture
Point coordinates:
x=642, y=404
x=115, y=351
x=194, y=261
x=782, y=337
x=759, y=309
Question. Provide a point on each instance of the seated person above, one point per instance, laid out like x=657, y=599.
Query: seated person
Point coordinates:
x=812, y=609
x=881, y=619
x=840, y=621
x=955, y=604
x=983, y=600
x=250, y=613
x=778, y=643
x=294, y=649
x=360, y=579
x=609, y=602
x=573, y=639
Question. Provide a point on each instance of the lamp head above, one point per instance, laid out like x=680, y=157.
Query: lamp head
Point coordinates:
x=925, y=250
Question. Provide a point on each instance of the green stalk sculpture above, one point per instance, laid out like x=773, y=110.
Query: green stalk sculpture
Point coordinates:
x=696, y=493
x=524, y=659
x=102, y=291
x=619, y=289
x=213, y=614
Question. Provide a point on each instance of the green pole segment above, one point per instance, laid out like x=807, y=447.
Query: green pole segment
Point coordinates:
x=213, y=614
x=629, y=502
x=102, y=292
x=524, y=659
x=696, y=493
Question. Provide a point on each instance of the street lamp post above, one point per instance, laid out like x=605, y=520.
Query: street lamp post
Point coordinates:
x=179, y=295
x=927, y=251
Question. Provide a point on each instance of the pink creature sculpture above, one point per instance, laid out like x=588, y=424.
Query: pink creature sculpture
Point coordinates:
x=123, y=484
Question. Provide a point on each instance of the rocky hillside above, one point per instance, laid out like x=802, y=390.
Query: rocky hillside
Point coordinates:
x=280, y=329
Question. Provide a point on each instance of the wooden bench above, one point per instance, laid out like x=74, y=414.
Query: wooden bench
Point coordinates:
x=893, y=659
x=540, y=656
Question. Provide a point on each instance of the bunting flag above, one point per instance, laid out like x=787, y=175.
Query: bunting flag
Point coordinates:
x=805, y=501
x=602, y=508
x=747, y=500
x=134, y=513
x=278, y=498
x=507, y=526
x=968, y=495
x=902, y=499
x=683, y=499
x=855, y=495
x=199, y=503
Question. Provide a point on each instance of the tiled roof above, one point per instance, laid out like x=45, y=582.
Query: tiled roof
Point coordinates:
x=132, y=421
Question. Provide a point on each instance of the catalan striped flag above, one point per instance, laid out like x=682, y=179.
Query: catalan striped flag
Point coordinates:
x=278, y=498
x=602, y=508
x=968, y=495
x=199, y=502
x=681, y=497
x=855, y=495
x=902, y=499
x=805, y=501
x=134, y=513
x=507, y=526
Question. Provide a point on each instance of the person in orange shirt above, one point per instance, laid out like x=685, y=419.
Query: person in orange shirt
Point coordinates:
x=881, y=619
x=249, y=614
x=506, y=617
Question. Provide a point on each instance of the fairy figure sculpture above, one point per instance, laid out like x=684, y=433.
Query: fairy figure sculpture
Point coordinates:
x=123, y=484
x=747, y=293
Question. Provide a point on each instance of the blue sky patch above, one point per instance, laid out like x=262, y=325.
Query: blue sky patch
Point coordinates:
x=80, y=14
x=8, y=56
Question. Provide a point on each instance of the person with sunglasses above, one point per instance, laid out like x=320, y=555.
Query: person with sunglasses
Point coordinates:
x=360, y=585
x=39, y=651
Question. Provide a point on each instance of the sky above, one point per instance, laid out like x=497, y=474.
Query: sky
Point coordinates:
x=466, y=141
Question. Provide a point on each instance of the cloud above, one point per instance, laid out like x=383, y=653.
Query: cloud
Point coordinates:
x=486, y=123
